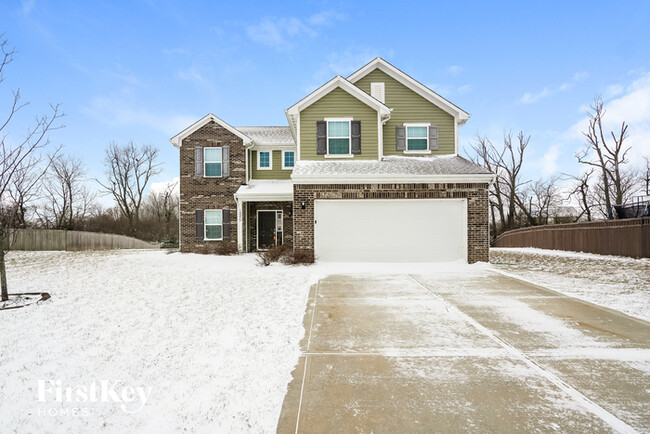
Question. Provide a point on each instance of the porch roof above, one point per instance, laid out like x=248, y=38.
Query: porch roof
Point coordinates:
x=258, y=190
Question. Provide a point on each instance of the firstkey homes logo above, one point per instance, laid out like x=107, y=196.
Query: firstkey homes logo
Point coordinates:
x=130, y=399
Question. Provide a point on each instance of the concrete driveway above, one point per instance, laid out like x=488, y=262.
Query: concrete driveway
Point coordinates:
x=456, y=352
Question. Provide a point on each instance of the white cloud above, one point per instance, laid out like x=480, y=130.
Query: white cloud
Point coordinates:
x=27, y=6
x=446, y=90
x=531, y=98
x=279, y=33
x=326, y=18
x=454, y=69
x=158, y=187
x=284, y=33
x=344, y=63
x=121, y=109
x=548, y=162
x=632, y=106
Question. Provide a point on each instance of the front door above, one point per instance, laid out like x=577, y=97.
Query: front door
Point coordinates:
x=266, y=229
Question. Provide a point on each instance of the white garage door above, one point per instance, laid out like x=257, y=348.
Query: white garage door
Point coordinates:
x=399, y=230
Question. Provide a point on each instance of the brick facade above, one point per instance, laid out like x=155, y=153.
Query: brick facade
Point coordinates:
x=287, y=221
x=209, y=193
x=476, y=195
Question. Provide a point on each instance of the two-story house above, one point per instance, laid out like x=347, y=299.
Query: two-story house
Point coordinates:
x=367, y=170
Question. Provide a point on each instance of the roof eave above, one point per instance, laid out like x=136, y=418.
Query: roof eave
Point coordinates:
x=177, y=140
x=486, y=178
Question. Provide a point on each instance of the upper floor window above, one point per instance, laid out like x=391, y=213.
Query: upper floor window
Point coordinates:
x=288, y=159
x=264, y=160
x=338, y=136
x=417, y=137
x=212, y=161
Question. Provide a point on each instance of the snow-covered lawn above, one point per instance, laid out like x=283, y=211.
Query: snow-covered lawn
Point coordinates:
x=616, y=282
x=210, y=341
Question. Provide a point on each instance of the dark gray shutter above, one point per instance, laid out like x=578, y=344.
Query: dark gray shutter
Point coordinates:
x=225, y=161
x=198, y=161
x=356, y=137
x=433, y=138
x=400, y=138
x=321, y=137
x=225, y=222
x=199, y=224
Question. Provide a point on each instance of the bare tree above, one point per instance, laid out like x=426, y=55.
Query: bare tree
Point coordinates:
x=544, y=200
x=21, y=168
x=67, y=197
x=129, y=169
x=506, y=162
x=486, y=155
x=582, y=194
x=162, y=208
x=608, y=156
x=511, y=163
x=645, y=176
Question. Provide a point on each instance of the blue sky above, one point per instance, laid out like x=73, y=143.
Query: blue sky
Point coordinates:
x=143, y=70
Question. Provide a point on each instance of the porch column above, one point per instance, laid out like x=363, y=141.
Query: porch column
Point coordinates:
x=240, y=227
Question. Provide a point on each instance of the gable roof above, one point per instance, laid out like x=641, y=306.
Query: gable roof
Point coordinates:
x=177, y=140
x=269, y=136
x=342, y=83
x=411, y=83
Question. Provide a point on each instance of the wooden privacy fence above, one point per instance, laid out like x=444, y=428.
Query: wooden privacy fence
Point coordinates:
x=53, y=239
x=627, y=237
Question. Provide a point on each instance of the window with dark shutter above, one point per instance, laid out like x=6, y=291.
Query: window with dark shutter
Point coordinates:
x=400, y=138
x=225, y=218
x=199, y=224
x=225, y=158
x=433, y=138
x=321, y=137
x=356, y=137
x=198, y=161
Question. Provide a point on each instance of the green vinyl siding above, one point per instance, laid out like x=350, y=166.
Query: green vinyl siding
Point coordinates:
x=409, y=107
x=338, y=104
x=275, y=173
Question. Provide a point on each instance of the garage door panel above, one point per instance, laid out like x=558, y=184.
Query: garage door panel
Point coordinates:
x=423, y=230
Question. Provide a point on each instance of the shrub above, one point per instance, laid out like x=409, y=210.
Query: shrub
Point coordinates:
x=299, y=257
x=227, y=249
x=274, y=254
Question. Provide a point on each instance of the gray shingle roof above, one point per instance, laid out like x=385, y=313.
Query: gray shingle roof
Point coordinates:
x=268, y=135
x=435, y=165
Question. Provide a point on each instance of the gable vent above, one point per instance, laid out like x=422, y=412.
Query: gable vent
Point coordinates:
x=377, y=91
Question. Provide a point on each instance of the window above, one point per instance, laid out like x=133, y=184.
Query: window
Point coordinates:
x=213, y=224
x=212, y=162
x=338, y=136
x=417, y=137
x=288, y=159
x=264, y=160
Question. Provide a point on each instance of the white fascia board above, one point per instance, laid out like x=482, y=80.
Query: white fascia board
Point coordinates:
x=338, y=82
x=272, y=197
x=279, y=147
x=378, y=63
x=177, y=140
x=394, y=179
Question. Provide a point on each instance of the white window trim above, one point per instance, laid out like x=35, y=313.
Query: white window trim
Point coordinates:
x=294, y=160
x=259, y=154
x=421, y=124
x=327, y=138
x=206, y=162
x=205, y=226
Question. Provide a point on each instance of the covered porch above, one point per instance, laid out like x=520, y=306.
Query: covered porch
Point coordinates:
x=264, y=215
